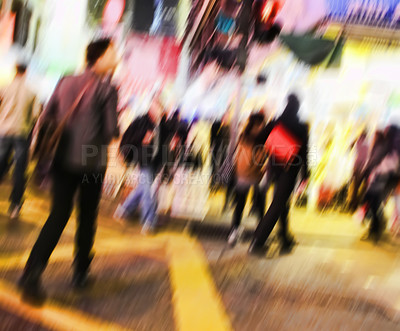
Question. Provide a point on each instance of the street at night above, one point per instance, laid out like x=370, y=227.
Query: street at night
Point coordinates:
x=199, y=165
x=178, y=281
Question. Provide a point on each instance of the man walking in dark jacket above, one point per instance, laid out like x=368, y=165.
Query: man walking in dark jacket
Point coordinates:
x=285, y=177
x=79, y=165
x=139, y=145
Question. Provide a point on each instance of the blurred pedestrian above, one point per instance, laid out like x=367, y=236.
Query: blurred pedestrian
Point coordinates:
x=288, y=151
x=139, y=146
x=87, y=104
x=249, y=160
x=361, y=147
x=219, y=143
x=377, y=152
x=383, y=177
x=18, y=110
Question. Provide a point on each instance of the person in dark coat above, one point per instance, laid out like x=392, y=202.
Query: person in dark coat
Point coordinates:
x=164, y=158
x=378, y=152
x=383, y=176
x=285, y=177
x=219, y=143
x=361, y=147
x=79, y=165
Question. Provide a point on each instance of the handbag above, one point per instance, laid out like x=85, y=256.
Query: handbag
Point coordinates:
x=282, y=145
x=46, y=147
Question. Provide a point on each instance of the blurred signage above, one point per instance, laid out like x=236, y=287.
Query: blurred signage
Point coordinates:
x=165, y=20
x=150, y=61
x=113, y=11
x=366, y=11
x=62, y=40
x=225, y=24
x=7, y=22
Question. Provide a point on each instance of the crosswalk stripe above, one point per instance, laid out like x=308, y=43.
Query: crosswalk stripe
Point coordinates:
x=197, y=304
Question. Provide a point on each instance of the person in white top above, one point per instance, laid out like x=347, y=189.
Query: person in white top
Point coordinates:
x=18, y=110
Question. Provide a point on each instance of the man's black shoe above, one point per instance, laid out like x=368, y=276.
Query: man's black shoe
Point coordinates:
x=374, y=237
x=81, y=281
x=287, y=247
x=14, y=211
x=32, y=292
x=256, y=250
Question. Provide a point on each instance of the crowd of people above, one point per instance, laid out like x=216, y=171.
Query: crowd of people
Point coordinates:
x=82, y=119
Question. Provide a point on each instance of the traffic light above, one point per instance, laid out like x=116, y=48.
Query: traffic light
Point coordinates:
x=265, y=13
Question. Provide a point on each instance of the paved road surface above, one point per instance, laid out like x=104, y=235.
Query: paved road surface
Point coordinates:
x=173, y=281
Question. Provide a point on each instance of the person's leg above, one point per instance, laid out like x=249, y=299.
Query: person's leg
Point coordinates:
x=132, y=202
x=64, y=187
x=374, y=205
x=241, y=193
x=284, y=188
x=255, y=199
x=214, y=166
x=230, y=189
x=5, y=153
x=286, y=238
x=267, y=183
x=260, y=203
x=89, y=199
x=21, y=149
x=149, y=204
x=355, y=183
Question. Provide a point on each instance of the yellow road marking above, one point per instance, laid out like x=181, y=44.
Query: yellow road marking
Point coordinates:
x=52, y=316
x=197, y=305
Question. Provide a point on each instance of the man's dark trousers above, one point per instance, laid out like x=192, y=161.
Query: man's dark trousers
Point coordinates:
x=279, y=207
x=65, y=185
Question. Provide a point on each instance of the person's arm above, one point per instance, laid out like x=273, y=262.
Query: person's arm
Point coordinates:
x=111, y=129
x=128, y=142
x=51, y=109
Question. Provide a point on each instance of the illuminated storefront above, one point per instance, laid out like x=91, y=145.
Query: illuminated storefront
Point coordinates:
x=63, y=35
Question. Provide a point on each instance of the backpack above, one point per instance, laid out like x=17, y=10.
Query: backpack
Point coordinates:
x=282, y=145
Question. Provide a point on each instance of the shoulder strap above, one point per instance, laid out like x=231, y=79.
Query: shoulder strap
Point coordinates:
x=72, y=109
x=76, y=103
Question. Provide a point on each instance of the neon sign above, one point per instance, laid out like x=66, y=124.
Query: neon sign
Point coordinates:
x=365, y=11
